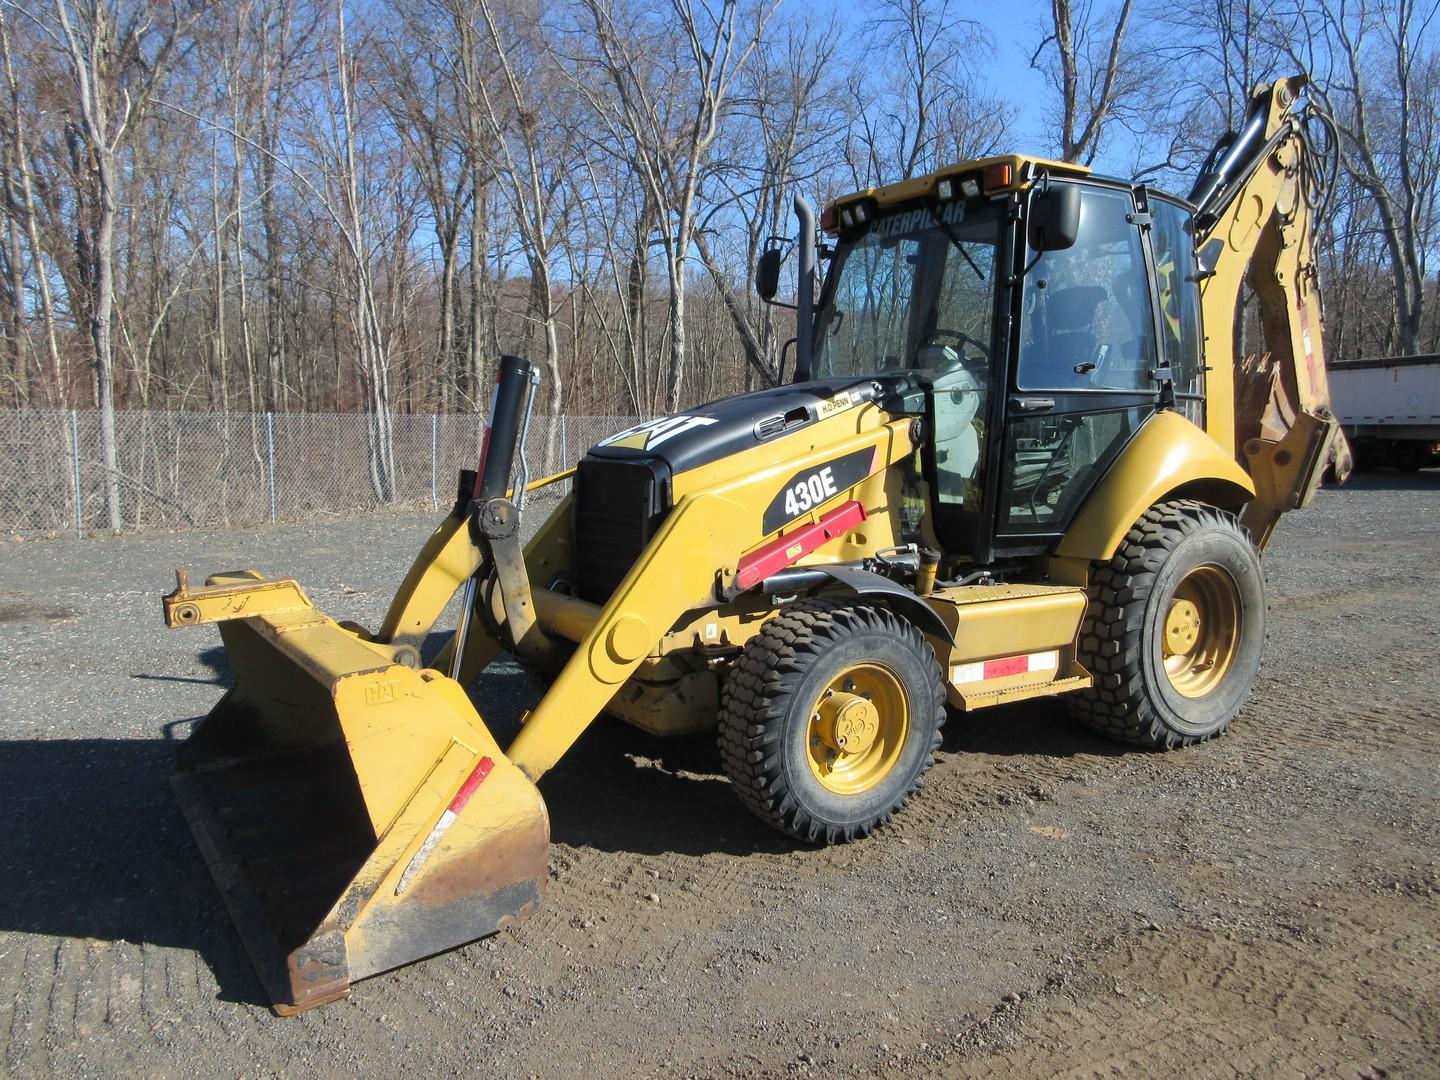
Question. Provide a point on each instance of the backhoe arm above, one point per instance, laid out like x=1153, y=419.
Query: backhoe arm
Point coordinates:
x=1255, y=225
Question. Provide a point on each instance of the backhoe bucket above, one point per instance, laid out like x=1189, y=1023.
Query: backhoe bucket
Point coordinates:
x=355, y=812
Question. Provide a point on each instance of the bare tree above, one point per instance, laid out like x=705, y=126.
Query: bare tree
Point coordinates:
x=347, y=205
x=1381, y=85
x=531, y=136
x=916, y=105
x=23, y=200
x=479, y=179
x=1090, y=71
x=116, y=58
x=793, y=112
x=357, y=217
x=666, y=108
x=427, y=106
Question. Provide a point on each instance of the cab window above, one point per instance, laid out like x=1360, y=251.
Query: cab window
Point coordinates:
x=1088, y=322
x=1179, y=295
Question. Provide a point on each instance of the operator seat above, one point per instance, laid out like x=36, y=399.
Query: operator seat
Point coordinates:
x=1070, y=334
x=959, y=387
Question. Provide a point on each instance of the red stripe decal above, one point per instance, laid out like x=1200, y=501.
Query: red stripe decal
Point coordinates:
x=793, y=546
x=1011, y=665
x=472, y=783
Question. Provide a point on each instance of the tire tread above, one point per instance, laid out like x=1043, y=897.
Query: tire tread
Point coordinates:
x=757, y=697
x=1112, y=630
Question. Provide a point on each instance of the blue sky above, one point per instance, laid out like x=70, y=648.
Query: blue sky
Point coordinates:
x=1016, y=28
x=1017, y=32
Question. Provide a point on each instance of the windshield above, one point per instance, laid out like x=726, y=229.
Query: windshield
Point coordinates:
x=917, y=290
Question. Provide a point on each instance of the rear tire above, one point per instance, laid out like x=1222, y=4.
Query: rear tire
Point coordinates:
x=1175, y=629
x=829, y=718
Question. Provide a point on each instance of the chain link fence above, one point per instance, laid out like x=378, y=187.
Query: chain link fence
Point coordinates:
x=181, y=470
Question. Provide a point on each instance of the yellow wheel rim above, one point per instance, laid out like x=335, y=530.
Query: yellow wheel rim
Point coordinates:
x=858, y=727
x=1201, y=631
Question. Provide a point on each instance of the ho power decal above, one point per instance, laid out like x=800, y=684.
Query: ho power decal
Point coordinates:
x=810, y=487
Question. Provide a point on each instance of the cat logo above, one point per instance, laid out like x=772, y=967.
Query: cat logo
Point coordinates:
x=652, y=433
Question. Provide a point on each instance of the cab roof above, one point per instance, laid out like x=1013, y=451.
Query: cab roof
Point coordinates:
x=1023, y=168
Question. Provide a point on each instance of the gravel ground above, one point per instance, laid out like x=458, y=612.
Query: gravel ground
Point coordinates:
x=1265, y=905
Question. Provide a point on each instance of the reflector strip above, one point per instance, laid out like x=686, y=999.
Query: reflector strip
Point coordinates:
x=467, y=789
x=1008, y=665
x=472, y=782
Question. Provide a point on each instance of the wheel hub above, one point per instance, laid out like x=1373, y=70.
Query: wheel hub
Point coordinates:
x=1182, y=627
x=858, y=727
x=848, y=723
x=1201, y=634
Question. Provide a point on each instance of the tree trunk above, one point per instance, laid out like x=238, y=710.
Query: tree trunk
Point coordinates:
x=676, y=379
x=219, y=393
x=445, y=346
x=19, y=324
x=100, y=330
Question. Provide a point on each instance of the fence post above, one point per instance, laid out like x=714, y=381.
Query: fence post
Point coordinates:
x=75, y=463
x=434, y=459
x=270, y=455
x=564, y=450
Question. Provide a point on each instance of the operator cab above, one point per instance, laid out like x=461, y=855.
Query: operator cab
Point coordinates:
x=1036, y=325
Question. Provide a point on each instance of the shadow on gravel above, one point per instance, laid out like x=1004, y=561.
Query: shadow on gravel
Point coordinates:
x=96, y=848
x=214, y=658
x=1042, y=728
x=622, y=790
x=619, y=789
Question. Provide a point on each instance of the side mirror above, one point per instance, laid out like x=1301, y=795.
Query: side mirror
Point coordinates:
x=1055, y=217
x=767, y=273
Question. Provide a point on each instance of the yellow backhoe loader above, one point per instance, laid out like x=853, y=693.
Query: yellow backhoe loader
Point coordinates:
x=1019, y=456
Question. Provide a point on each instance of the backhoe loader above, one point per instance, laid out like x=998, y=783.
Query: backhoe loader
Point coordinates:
x=1020, y=456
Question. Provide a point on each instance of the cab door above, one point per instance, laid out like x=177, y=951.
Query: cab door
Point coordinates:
x=962, y=358
x=1086, y=370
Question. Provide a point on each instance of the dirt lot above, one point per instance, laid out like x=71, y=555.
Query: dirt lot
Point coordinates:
x=1267, y=905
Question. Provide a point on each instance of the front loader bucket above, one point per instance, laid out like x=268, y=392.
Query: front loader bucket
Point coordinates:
x=356, y=813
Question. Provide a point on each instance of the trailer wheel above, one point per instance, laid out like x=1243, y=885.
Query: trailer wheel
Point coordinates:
x=1174, y=630
x=829, y=718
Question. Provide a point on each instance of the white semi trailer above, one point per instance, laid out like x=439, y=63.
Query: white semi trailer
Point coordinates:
x=1390, y=410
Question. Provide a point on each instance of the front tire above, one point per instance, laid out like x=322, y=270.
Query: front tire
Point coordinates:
x=1174, y=630
x=829, y=718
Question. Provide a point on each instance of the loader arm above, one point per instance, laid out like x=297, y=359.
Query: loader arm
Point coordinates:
x=689, y=563
x=1255, y=225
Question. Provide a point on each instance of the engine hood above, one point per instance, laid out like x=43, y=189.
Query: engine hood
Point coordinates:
x=710, y=432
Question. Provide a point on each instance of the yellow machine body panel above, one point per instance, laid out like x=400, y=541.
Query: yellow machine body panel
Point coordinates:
x=1168, y=455
x=718, y=516
x=991, y=621
x=1011, y=642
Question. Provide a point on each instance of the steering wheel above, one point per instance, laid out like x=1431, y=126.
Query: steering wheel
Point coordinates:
x=961, y=337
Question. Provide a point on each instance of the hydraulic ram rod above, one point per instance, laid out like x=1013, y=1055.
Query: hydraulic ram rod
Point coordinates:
x=509, y=414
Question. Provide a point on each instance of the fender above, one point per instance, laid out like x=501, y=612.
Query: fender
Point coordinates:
x=1168, y=454
x=868, y=584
